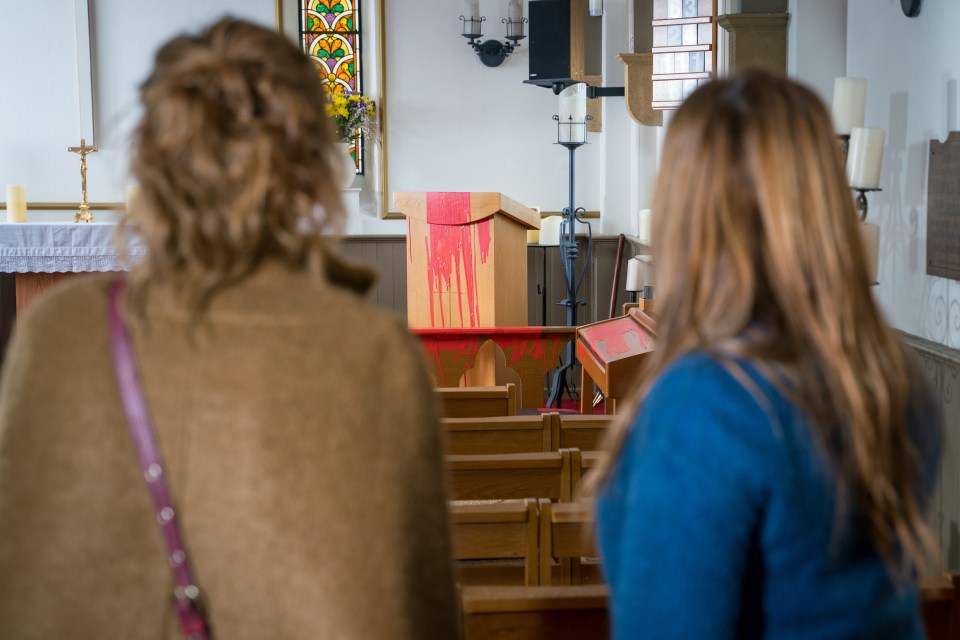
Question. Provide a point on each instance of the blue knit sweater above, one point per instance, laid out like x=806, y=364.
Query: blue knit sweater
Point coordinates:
x=718, y=523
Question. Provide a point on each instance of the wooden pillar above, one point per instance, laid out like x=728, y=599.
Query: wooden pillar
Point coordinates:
x=755, y=40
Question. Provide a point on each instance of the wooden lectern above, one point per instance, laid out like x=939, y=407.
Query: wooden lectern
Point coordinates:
x=466, y=259
x=611, y=352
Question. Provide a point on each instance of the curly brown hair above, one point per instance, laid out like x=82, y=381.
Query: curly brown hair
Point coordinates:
x=234, y=156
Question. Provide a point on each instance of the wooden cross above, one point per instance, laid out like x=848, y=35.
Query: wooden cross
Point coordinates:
x=84, y=213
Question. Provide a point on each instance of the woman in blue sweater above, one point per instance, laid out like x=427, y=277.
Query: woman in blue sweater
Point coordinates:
x=772, y=480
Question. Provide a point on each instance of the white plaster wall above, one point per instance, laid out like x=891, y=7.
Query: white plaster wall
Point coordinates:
x=468, y=127
x=38, y=58
x=39, y=112
x=817, y=43
x=629, y=148
x=125, y=44
x=912, y=66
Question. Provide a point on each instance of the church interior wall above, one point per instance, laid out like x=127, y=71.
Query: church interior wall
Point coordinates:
x=912, y=66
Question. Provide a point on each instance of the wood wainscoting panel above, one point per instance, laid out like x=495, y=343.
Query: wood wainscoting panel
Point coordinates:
x=387, y=254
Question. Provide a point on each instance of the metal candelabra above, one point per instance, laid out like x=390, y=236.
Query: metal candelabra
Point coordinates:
x=571, y=135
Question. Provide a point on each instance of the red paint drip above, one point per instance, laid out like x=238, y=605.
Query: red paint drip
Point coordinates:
x=450, y=244
x=483, y=235
x=430, y=267
x=458, y=353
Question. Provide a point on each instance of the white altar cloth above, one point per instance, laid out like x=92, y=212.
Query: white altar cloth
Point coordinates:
x=33, y=247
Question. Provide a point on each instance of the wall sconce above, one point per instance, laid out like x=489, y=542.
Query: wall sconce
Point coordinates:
x=493, y=52
x=596, y=8
x=862, y=149
x=640, y=277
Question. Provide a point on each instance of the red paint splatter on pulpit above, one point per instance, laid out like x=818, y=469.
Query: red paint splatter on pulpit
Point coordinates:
x=448, y=207
x=450, y=245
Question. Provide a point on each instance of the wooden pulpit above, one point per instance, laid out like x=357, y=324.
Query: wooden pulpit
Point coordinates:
x=466, y=259
x=610, y=353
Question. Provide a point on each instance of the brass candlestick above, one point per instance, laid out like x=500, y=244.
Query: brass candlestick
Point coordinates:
x=84, y=214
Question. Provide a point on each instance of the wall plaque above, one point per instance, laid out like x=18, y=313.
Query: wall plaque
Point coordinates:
x=943, y=208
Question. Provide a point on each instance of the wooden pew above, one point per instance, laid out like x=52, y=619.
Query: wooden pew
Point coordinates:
x=513, y=475
x=535, y=613
x=478, y=402
x=566, y=537
x=579, y=612
x=500, y=434
x=584, y=432
x=940, y=606
x=588, y=460
x=501, y=531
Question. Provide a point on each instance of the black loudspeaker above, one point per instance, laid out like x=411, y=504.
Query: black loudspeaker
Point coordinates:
x=549, y=42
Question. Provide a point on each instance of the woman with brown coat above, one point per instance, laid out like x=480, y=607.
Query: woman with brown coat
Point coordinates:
x=296, y=423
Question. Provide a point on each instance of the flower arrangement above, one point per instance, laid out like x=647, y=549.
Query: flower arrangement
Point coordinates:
x=353, y=114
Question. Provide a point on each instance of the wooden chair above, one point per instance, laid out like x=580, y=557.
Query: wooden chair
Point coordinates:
x=940, y=606
x=566, y=539
x=584, y=432
x=504, y=531
x=535, y=613
x=513, y=475
x=478, y=402
x=499, y=434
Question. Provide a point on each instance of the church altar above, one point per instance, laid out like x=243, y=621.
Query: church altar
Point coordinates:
x=31, y=247
x=41, y=254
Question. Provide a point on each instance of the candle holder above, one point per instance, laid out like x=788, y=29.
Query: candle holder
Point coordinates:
x=861, y=202
x=492, y=53
x=569, y=250
x=571, y=128
x=844, y=146
x=514, y=30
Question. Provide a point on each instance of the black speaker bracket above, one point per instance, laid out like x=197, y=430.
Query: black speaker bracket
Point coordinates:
x=604, y=92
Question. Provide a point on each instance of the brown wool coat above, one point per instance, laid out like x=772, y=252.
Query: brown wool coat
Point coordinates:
x=301, y=442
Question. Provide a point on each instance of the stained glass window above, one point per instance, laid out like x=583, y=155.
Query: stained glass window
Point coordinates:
x=330, y=35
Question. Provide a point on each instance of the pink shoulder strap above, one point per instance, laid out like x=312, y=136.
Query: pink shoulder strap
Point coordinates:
x=186, y=595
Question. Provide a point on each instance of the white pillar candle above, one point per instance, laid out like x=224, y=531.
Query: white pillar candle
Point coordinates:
x=573, y=113
x=634, y=277
x=471, y=9
x=515, y=10
x=133, y=191
x=596, y=8
x=16, y=203
x=849, y=103
x=550, y=231
x=643, y=226
x=639, y=273
x=864, y=157
x=870, y=234
x=471, y=17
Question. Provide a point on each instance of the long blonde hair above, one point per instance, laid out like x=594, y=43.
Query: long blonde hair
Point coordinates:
x=234, y=156
x=758, y=256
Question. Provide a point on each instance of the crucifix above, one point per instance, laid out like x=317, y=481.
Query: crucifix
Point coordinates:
x=84, y=213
